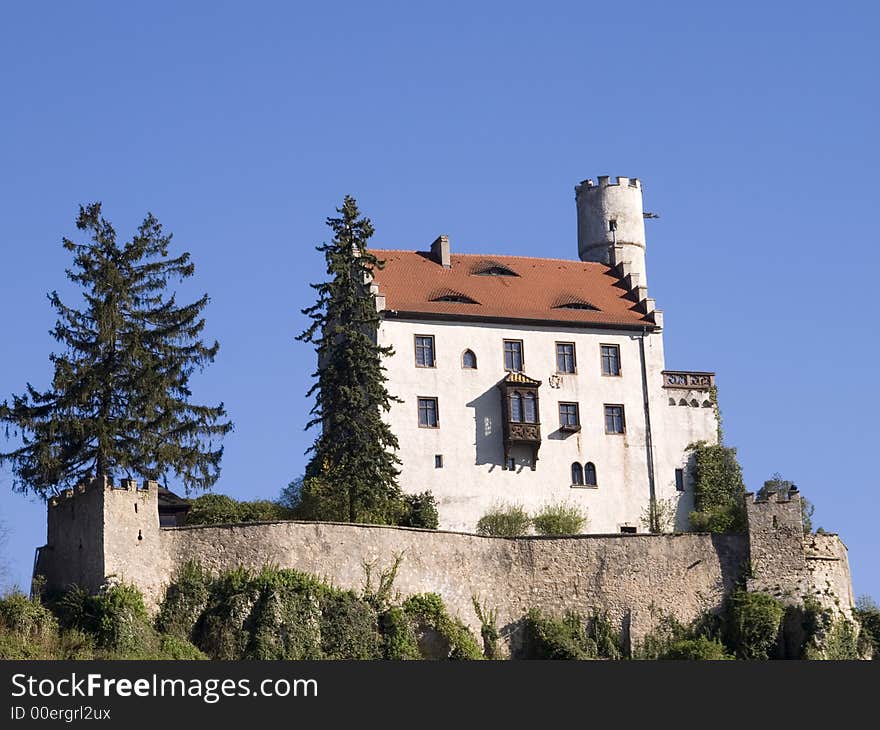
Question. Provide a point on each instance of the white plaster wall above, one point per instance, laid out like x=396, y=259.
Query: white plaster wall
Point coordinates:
x=470, y=436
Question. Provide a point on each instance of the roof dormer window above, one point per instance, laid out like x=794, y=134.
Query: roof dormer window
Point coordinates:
x=449, y=295
x=569, y=301
x=492, y=268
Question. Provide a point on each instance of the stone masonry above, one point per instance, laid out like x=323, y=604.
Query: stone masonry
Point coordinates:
x=103, y=532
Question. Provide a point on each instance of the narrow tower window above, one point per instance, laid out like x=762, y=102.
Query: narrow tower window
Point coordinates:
x=679, y=480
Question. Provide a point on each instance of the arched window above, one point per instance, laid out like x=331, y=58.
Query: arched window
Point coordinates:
x=531, y=411
x=590, y=474
x=577, y=474
x=469, y=360
x=516, y=407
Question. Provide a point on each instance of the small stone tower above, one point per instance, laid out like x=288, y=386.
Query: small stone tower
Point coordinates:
x=611, y=224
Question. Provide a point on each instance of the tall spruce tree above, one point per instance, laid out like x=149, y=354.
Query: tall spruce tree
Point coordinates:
x=119, y=399
x=352, y=475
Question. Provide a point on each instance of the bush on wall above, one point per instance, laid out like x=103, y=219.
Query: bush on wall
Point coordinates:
x=752, y=625
x=218, y=509
x=560, y=519
x=505, y=521
x=719, y=492
x=571, y=636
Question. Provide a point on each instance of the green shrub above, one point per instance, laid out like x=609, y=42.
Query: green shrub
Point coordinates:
x=842, y=641
x=224, y=629
x=560, y=519
x=547, y=637
x=173, y=647
x=659, y=515
x=488, y=629
x=719, y=492
x=185, y=600
x=399, y=640
x=116, y=617
x=28, y=630
x=213, y=509
x=753, y=622
x=868, y=614
x=27, y=619
x=657, y=642
x=505, y=521
x=701, y=648
x=439, y=635
x=349, y=627
x=420, y=510
x=573, y=636
x=320, y=499
x=218, y=509
x=286, y=619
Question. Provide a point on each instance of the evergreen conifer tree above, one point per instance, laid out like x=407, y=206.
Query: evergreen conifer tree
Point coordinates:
x=352, y=475
x=119, y=399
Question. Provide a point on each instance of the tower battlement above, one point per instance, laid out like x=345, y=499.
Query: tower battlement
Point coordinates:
x=603, y=181
x=100, y=484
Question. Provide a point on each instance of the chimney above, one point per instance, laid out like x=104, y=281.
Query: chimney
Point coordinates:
x=440, y=251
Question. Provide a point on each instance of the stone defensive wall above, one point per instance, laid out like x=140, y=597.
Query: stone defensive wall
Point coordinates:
x=101, y=532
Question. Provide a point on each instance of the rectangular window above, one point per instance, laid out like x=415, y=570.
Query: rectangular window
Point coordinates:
x=614, y=419
x=565, y=360
x=568, y=415
x=428, y=413
x=424, y=351
x=679, y=479
x=513, y=355
x=629, y=530
x=610, y=360
x=438, y=461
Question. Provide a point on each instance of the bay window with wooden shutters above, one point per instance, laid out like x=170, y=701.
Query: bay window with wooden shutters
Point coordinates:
x=521, y=415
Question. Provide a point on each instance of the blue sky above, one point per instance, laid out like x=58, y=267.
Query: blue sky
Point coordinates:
x=242, y=126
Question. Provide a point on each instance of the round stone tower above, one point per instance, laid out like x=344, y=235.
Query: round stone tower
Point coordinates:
x=611, y=224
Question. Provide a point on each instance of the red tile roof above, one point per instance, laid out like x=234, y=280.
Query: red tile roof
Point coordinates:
x=538, y=293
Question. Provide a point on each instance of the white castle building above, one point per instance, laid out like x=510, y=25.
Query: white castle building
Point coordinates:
x=534, y=381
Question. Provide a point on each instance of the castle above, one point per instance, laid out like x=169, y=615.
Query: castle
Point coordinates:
x=536, y=381
x=527, y=380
